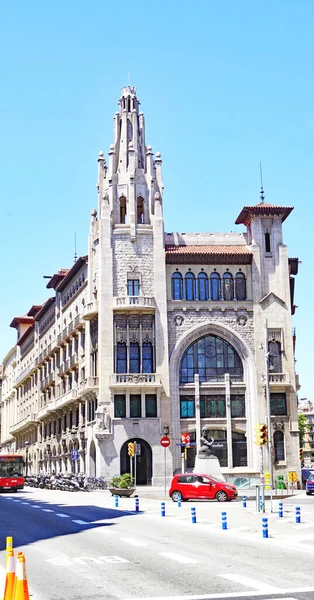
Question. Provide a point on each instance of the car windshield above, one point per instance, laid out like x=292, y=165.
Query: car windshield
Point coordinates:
x=217, y=479
x=311, y=477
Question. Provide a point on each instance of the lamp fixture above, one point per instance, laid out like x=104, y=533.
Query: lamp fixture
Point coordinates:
x=166, y=429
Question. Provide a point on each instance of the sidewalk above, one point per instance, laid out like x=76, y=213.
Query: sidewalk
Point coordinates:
x=158, y=493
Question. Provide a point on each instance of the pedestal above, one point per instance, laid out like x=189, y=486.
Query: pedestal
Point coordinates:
x=208, y=466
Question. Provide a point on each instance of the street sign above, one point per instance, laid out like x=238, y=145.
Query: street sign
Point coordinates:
x=185, y=438
x=75, y=454
x=292, y=476
x=164, y=441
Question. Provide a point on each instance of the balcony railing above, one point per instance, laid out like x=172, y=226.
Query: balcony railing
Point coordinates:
x=279, y=378
x=90, y=310
x=136, y=379
x=145, y=303
x=31, y=418
x=89, y=384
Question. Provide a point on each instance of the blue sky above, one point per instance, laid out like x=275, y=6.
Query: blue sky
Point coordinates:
x=223, y=85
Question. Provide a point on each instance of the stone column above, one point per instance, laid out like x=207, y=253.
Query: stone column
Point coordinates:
x=197, y=411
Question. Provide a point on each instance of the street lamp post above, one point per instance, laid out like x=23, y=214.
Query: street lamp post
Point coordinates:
x=26, y=458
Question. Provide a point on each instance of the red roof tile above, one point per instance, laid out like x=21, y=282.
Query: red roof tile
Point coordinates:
x=208, y=254
x=263, y=208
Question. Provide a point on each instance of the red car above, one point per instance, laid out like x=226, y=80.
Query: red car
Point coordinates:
x=198, y=486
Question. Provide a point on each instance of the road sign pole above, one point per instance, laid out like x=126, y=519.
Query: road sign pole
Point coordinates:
x=165, y=461
x=134, y=465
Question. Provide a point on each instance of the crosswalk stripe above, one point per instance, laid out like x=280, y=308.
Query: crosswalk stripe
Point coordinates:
x=178, y=557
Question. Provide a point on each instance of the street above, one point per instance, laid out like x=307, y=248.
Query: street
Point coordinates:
x=78, y=546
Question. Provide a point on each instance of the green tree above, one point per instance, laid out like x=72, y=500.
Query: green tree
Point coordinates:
x=303, y=428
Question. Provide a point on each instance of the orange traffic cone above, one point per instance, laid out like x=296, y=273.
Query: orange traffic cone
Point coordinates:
x=10, y=576
x=21, y=587
x=19, y=554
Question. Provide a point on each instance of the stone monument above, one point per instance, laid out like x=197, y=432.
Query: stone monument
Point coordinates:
x=206, y=462
x=103, y=422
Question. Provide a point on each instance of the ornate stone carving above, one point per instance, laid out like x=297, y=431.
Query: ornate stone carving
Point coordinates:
x=241, y=320
x=178, y=320
x=103, y=421
x=278, y=425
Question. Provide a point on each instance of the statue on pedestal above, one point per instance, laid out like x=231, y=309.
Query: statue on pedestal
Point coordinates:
x=206, y=443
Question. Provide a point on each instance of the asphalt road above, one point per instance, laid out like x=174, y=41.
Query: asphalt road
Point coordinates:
x=79, y=547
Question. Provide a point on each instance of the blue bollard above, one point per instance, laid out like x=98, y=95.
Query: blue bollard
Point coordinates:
x=179, y=501
x=116, y=500
x=261, y=504
x=163, y=509
x=244, y=501
x=193, y=515
x=280, y=509
x=223, y=520
x=297, y=514
x=265, y=527
x=137, y=504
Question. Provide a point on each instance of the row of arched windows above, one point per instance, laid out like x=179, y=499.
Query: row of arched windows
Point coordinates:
x=134, y=358
x=215, y=287
x=139, y=209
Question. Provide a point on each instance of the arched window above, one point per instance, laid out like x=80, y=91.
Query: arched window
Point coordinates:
x=122, y=207
x=140, y=210
x=279, y=445
x=227, y=285
x=275, y=362
x=134, y=357
x=176, y=286
x=240, y=286
x=202, y=286
x=189, y=286
x=147, y=357
x=211, y=358
x=121, y=357
x=215, y=286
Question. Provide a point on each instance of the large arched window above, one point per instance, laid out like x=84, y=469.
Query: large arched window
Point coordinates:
x=214, y=286
x=147, y=357
x=279, y=445
x=176, y=286
x=189, y=286
x=211, y=358
x=240, y=286
x=227, y=285
x=202, y=286
x=134, y=357
x=121, y=357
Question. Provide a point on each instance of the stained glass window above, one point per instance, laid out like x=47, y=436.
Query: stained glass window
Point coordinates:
x=214, y=286
x=189, y=286
x=202, y=282
x=121, y=358
x=134, y=357
x=227, y=283
x=240, y=286
x=147, y=357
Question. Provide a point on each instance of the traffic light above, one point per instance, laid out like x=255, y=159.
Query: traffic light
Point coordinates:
x=301, y=454
x=130, y=449
x=261, y=434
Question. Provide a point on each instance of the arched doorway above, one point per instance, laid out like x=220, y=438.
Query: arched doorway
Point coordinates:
x=144, y=463
x=92, y=459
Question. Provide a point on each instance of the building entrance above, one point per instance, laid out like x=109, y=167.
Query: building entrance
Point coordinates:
x=144, y=465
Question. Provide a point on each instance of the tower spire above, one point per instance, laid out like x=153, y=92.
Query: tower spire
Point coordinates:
x=262, y=194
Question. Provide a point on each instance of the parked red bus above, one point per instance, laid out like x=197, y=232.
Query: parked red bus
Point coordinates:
x=11, y=472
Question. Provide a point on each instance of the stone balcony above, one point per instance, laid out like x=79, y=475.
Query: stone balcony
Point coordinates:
x=90, y=310
x=148, y=380
x=277, y=380
x=134, y=303
x=90, y=384
x=17, y=427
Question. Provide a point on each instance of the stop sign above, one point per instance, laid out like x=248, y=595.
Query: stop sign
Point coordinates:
x=164, y=441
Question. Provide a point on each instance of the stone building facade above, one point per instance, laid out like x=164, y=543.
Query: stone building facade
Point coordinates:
x=154, y=332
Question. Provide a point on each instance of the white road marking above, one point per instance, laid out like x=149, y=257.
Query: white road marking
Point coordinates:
x=62, y=515
x=253, y=583
x=113, y=559
x=133, y=542
x=35, y=506
x=179, y=558
x=80, y=522
x=24, y=502
x=16, y=500
x=48, y=510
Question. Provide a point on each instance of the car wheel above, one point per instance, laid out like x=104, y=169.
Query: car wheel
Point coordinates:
x=308, y=493
x=221, y=496
x=176, y=495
